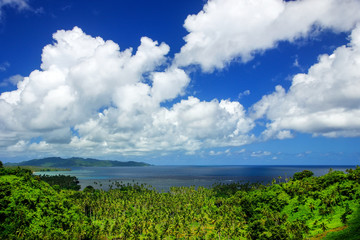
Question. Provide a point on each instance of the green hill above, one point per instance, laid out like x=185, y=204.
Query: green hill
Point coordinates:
x=58, y=162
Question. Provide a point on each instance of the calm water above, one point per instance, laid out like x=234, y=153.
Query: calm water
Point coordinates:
x=163, y=177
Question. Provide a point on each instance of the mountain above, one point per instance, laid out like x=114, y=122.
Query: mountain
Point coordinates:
x=77, y=162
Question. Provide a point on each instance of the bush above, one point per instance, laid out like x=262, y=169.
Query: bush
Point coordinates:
x=62, y=181
x=303, y=174
x=31, y=209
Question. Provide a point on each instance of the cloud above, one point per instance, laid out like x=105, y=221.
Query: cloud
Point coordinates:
x=89, y=97
x=17, y=4
x=325, y=101
x=260, y=154
x=296, y=63
x=238, y=29
x=213, y=153
x=4, y=66
x=244, y=93
x=13, y=80
x=169, y=84
x=189, y=125
x=20, y=4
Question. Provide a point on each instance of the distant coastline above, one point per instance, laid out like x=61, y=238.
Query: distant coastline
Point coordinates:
x=36, y=169
x=66, y=163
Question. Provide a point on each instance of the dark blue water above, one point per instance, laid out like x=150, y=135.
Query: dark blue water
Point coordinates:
x=163, y=177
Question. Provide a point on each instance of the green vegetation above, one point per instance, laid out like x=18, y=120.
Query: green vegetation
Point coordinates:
x=303, y=174
x=57, y=162
x=31, y=209
x=300, y=208
x=62, y=182
x=352, y=232
x=41, y=169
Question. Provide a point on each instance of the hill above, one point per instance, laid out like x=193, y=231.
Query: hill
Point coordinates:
x=303, y=207
x=58, y=162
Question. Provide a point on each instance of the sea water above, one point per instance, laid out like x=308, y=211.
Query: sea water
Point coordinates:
x=163, y=177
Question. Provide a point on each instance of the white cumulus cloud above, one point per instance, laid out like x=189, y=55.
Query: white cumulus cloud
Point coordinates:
x=237, y=29
x=89, y=96
x=325, y=101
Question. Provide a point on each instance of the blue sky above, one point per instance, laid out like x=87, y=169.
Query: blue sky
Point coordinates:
x=181, y=82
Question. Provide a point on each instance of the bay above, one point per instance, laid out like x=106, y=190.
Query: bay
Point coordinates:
x=163, y=177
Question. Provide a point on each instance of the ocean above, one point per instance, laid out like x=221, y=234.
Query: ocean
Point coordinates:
x=163, y=177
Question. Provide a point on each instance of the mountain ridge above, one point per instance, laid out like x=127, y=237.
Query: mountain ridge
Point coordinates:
x=59, y=162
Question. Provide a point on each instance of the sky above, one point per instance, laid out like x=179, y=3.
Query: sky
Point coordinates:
x=190, y=82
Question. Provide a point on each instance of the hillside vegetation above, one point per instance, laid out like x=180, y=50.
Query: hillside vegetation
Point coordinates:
x=301, y=208
x=41, y=169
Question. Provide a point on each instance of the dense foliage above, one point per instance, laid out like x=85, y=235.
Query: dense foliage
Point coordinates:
x=296, y=209
x=61, y=181
x=31, y=209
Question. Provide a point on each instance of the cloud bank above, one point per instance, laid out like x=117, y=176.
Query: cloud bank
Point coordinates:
x=89, y=95
x=325, y=101
x=237, y=29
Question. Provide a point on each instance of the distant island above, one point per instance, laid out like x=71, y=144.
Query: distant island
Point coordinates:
x=58, y=162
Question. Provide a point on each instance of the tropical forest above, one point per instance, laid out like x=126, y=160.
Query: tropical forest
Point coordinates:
x=301, y=207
